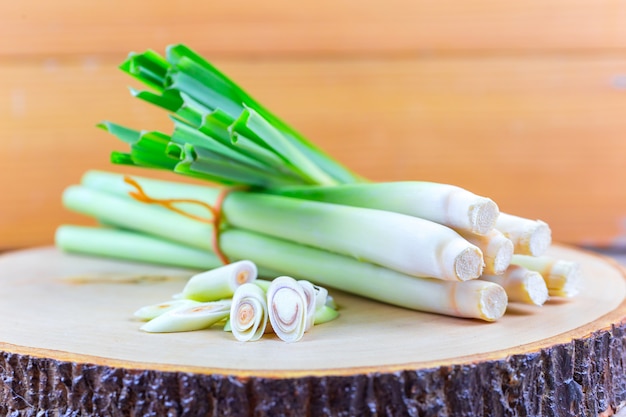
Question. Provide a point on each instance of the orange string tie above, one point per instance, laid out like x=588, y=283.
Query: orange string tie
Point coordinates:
x=169, y=203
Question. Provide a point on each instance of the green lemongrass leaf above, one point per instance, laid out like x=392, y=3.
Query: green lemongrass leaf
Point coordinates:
x=227, y=87
x=185, y=319
x=220, y=283
x=122, y=158
x=152, y=311
x=324, y=314
x=169, y=99
x=148, y=67
x=204, y=163
x=190, y=114
x=185, y=134
x=123, y=133
x=196, y=90
x=252, y=125
x=227, y=96
x=180, y=56
x=148, y=149
x=204, y=88
x=216, y=125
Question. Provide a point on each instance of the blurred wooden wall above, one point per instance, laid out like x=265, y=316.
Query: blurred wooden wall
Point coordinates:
x=521, y=101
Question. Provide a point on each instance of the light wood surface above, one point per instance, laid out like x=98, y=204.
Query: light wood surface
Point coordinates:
x=525, y=103
x=93, y=323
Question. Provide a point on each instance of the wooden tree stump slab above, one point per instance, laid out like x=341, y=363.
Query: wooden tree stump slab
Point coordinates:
x=75, y=349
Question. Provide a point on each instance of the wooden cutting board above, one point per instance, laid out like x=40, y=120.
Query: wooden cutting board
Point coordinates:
x=70, y=347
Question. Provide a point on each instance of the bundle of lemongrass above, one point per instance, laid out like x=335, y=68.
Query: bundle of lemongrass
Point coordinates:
x=280, y=202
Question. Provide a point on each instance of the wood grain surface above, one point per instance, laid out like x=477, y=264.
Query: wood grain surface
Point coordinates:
x=523, y=103
x=75, y=349
x=55, y=318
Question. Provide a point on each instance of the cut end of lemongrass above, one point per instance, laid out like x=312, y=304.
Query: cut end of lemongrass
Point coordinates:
x=480, y=299
x=521, y=285
x=501, y=259
x=563, y=279
x=483, y=215
x=530, y=237
x=536, y=289
x=497, y=250
x=539, y=238
x=220, y=283
x=468, y=264
x=287, y=308
x=470, y=212
x=248, y=313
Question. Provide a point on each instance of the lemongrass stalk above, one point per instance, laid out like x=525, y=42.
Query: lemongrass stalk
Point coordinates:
x=324, y=314
x=152, y=311
x=529, y=237
x=521, y=285
x=445, y=204
x=220, y=283
x=287, y=308
x=471, y=299
x=190, y=318
x=561, y=276
x=248, y=313
x=497, y=250
x=310, y=292
x=122, y=244
x=264, y=284
x=410, y=245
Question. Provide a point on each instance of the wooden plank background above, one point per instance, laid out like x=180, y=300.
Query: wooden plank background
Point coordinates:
x=523, y=102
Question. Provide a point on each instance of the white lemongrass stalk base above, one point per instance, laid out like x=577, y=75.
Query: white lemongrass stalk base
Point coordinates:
x=562, y=277
x=445, y=204
x=497, y=250
x=221, y=282
x=529, y=237
x=521, y=285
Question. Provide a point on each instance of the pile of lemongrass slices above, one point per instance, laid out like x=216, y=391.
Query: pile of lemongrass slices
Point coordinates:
x=234, y=297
